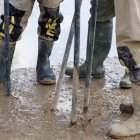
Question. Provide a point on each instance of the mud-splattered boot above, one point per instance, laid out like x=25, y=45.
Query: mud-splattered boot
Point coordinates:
x=45, y=74
x=125, y=82
x=101, y=50
x=130, y=127
x=96, y=73
x=3, y=61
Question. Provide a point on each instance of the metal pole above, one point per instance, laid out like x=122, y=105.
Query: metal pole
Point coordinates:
x=76, y=63
x=64, y=63
x=90, y=49
x=6, y=32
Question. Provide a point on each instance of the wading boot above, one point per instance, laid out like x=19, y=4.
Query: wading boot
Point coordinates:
x=3, y=61
x=102, y=46
x=45, y=74
x=130, y=127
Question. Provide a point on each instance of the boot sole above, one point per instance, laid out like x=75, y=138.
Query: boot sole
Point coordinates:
x=120, y=137
x=94, y=76
x=71, y=75
x=97, y=76
x=47, y=82
x=125, y=86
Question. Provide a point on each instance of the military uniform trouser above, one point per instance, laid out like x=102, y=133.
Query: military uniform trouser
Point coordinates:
x=20, y=11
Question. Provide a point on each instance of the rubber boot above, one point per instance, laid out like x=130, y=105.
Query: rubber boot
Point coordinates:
x=3, y=61
x=45, y=74
x=130, y=127
x=125, y=82
x=101, y=51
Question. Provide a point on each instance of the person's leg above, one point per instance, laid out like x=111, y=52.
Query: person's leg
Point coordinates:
x=19, y=12
x=102, y=40
x=128, y=43
x=49, y=30
x=128, y=35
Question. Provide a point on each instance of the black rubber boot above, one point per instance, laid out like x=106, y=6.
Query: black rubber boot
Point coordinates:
x=45, y=74
x=102, y=47
x=3, y=61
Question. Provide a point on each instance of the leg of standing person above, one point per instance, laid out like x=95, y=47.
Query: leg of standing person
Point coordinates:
x=102, y=44
x=128, y=42
x=48, y=32
x=19, y=12
x=102, y=40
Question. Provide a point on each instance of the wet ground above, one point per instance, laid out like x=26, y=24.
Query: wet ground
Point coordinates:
x=26, y=114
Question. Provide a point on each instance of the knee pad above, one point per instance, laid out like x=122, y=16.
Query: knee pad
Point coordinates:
x=15, y=17
x=50, y=24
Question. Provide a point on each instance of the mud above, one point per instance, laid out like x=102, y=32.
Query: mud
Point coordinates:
x=26, y=114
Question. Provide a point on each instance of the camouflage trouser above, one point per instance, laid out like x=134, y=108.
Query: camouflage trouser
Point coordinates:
x=127, y=14
x=20, y=11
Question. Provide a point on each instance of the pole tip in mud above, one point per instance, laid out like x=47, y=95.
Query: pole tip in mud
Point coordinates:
x=85, y=109
x=8, y=94
x=53, y=110
x=73, y=123
x=8, y=91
